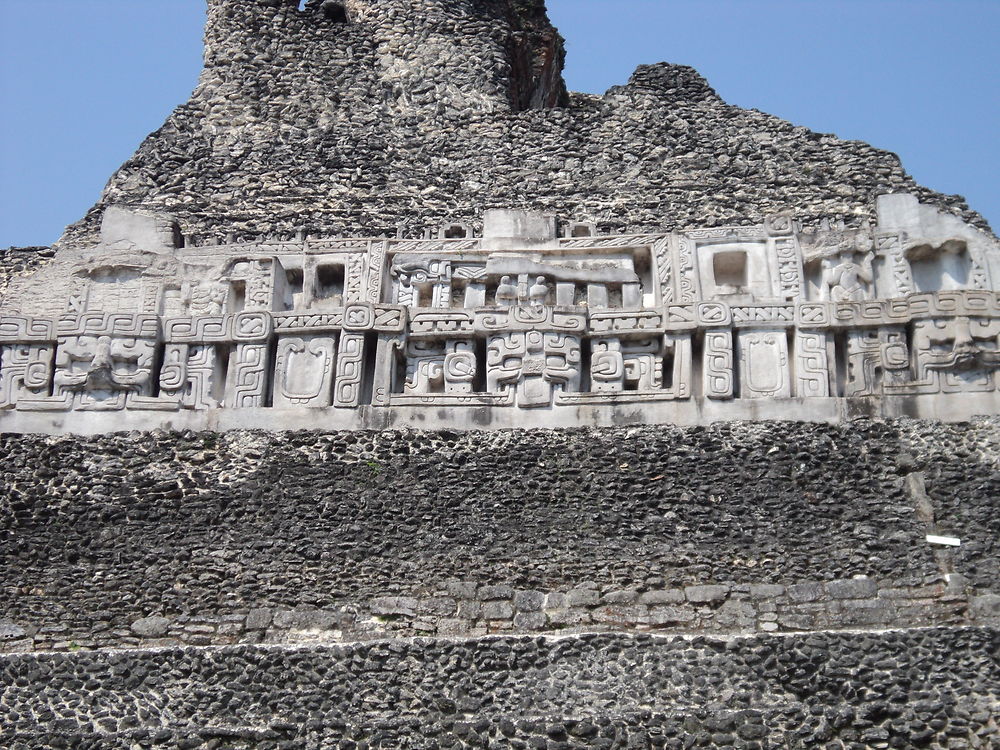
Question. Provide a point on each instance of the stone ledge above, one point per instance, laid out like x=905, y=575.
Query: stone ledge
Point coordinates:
x=474, y=610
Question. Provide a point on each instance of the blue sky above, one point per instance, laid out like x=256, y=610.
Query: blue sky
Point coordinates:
x=83, y=81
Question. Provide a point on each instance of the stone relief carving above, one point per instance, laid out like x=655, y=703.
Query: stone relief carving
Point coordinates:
x=876, y=358
x=101, y=372
x=25, y=372
x=719, y=366
x=812, y=364
x=303, y=371
x=846, y=280
x=534, y=364
x=764, y=371
x=955, y=355
x=760, y=313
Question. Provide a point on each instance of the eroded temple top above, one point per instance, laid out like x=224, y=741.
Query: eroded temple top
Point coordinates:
x=360, y=117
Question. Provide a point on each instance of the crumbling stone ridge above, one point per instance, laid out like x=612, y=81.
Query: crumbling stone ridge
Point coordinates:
x=393, y=396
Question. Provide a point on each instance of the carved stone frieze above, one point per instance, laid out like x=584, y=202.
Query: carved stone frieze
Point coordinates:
x=876, y=358
x=533, y=364
x=766, y=313
x=25, y=372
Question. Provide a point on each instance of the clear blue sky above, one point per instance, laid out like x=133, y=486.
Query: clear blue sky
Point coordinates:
x=83, y=81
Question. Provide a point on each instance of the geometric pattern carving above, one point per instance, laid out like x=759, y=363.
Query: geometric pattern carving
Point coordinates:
x=719, y=374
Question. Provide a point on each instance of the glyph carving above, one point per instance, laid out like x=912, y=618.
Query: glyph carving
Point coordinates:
x=248, y=377
x=812, y=371
x=718, y=367
x=460, y=367
x=764, y=371
x=303, y=371
x=534, y=364
x=192, y=375
x=875, y=358
x=25, y=372
x=350, y=361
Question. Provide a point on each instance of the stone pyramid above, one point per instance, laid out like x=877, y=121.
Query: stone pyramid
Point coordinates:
x=393, y=396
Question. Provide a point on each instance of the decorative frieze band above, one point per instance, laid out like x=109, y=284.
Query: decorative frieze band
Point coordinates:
x=528, y=356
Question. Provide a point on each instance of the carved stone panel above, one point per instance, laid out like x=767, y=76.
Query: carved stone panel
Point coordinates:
x=98, y=373
x=890, y=247
x=677, y=364
x=303, y=371
x=719, y=371
x=764, y=370
x=248, y=377
x=791, y=281
x=460, y=367
x=534, y=364
x=607, y=366
x=192, y=375
x=955, y=355
x=812, y=364
x=25, y=371
x=350, y=370
x=424, y=368
x=876, y=358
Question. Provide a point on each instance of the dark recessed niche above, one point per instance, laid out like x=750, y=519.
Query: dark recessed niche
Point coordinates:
x=334, y=11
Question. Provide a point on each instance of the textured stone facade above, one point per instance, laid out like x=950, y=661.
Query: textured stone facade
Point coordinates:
x=416, y=113
x=921, y=688
x=250, y=537
x=382, y=231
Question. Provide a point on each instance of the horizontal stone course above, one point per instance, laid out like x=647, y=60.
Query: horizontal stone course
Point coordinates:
x=935, y=688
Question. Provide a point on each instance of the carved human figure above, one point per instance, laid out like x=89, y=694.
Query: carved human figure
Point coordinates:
x=538, y=292
x=207, y=298
x=506, y=295
x=848, y=281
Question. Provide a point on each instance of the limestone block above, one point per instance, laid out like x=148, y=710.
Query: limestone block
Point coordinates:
x=143, y=230
x=852, y=588
x=151, y=627
x=706, y=594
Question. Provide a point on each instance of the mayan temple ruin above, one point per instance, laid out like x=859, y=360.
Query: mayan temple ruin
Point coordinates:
x=393, y=396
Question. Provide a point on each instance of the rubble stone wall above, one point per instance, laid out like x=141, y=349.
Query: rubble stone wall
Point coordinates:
x=18, y=261
x=412, y=113
x=918, y=688
x=203, y=538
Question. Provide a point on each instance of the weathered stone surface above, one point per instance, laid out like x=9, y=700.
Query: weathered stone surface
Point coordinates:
x=259, y=618
x=521, y=689
x=407, y=115
x=854, y=588
x=529, y=601
x=151, y=627
x=986, y=608
x=706, y=594
x=395, y=605
x=10, y=631
x=314, y=525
